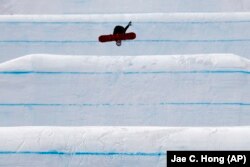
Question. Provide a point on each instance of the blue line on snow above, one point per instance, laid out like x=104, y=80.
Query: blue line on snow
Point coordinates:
x=126, y=104
x=135, y=22
x=46, y=41
x=145, y=40
x=156, y=154
x=193, y=41
x=126, y=73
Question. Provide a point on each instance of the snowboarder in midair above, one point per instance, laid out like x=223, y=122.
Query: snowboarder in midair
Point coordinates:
x=119, y=34
x=121, y=30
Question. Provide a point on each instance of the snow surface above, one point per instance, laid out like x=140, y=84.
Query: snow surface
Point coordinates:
x=111, y=146
x=183, y=84
x=43, y=62
x=162, y=90
x=114, y=6
x=157, y=34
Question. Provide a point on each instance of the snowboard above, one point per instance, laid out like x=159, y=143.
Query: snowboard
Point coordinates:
x=115, y=37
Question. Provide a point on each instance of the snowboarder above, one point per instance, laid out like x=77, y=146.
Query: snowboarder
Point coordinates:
x=118, y=35
x=121, y=30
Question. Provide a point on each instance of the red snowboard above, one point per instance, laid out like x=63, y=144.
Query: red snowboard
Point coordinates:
x=115, y=37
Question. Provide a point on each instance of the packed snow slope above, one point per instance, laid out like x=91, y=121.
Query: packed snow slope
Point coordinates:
x=109, y=146
x=128, y=105
x=157, y=34
x=115, y=6
x=177, y=90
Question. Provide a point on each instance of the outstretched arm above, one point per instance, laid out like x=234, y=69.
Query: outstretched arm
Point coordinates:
x=129, y=24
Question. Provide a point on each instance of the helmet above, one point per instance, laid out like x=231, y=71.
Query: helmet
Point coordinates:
x=119, y=43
